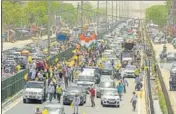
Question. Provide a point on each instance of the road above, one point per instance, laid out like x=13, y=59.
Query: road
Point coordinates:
x=165, y=68
x=19, y=108
x=20, y=44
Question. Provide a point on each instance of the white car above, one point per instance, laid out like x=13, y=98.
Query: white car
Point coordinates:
x=55, y=109
x=129, y=71
x=110, y=98
x=34, y=90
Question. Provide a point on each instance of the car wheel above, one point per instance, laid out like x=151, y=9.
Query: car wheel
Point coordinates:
x=118, y=106
x=24, y=101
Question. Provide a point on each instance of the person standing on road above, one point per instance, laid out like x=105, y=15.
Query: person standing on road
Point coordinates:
x=51, y=90
x=59, y=92
x=134, y=101
x=120, y=90
x=92, y=96
x=125, y=84
x=76, y=102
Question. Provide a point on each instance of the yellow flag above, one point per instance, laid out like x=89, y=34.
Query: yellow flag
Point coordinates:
x=29, y=59
x=74, y=51
x=56, y=60
x=26, y=77
x=18, y=67
x=72, y=104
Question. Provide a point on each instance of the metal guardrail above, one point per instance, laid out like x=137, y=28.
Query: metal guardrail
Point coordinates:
x=149, y=90
x=14, y=84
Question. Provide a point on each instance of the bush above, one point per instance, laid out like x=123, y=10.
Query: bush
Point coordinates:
x=162, y=101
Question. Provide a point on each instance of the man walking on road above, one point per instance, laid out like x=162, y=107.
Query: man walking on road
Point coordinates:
x=134, y=101
x=59, y=92
x=120, y=90
x=51, y=91
x=92, y=96
x=125, y=84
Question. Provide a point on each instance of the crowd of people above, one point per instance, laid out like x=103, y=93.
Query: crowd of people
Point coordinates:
x=64, y=73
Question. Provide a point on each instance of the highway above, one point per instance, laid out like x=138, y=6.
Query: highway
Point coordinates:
x=165, y=68
x=126, y=108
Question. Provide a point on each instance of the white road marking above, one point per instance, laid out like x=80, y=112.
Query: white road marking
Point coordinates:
x=139, y=105
x=11, y=105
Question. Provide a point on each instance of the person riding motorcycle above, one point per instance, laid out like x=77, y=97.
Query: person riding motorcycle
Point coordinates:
x=164, y=49
x=163, y=53
x=138, y=83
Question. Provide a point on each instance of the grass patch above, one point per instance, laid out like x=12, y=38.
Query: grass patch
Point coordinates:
x=162, y=100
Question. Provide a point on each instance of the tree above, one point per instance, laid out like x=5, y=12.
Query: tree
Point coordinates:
x=157, y=14
x=12, y=13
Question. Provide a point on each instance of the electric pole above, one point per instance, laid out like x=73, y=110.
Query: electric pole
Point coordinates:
x=116, y=11
x=106, y=11
x=81, y=16
x=49, y=27
x=97, y=16
x=112, y=11
x=120, y=9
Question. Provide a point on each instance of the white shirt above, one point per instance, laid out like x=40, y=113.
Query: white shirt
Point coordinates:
x=76, y=101
x=51, y=89
x=134, y=98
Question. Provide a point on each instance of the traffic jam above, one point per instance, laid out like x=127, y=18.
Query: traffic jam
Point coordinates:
x=99, y=69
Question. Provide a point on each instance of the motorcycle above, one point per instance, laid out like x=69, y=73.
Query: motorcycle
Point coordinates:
x=138, y=86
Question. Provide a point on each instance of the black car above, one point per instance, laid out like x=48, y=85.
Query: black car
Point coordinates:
x=71, y=91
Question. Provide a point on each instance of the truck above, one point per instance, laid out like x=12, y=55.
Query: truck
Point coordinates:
x=126, y=56
x=35, y=91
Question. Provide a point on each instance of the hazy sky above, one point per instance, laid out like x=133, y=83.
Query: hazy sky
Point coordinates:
x=135, y=4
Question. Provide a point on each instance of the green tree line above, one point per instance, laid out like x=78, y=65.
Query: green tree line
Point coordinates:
x=158, y=14
x=25, y=13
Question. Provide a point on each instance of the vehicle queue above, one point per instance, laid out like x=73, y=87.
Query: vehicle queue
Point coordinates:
x=100, y=71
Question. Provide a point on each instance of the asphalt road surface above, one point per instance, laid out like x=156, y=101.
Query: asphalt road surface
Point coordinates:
x=165, y=68
x=125, y=107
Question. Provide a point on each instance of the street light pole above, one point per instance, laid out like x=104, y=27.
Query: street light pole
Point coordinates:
x=116, y=11
x=112, y=11
x=97, y=16
x=49, y=6
x=81, y=16
x=106, y=11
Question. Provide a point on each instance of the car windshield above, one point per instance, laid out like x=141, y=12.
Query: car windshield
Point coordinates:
x=110, y=93
x=106, y=72
x=107, y=84
x=130, y=67
x=86, y=78
x=126, y=55
x=34, y=85
x=73, y=89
